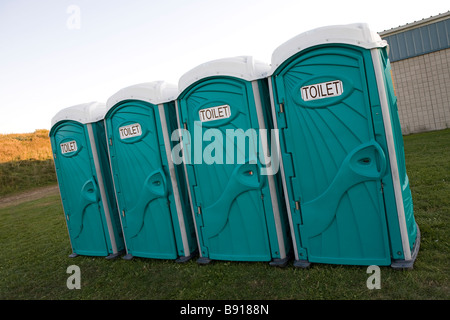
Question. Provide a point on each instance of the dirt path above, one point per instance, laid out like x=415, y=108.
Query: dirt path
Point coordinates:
x=15, y=199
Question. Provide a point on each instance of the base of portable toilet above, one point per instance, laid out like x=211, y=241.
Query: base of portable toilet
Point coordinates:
x=237, y=210
x=150, y=188
x=409, y=264
x=79, y=149
x=109, y=257
x=276, y=262
x=342, y=149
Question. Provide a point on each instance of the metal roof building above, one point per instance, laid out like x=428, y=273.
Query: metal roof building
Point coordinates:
x=420, y=57
x=420, y=37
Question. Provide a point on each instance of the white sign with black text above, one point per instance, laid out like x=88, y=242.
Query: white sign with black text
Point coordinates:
x=214, y=113
x=130, y=131
x=322, y=90
x=69, y=146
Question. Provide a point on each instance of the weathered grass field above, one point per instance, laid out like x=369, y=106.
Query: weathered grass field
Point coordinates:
x=35, y=248
x=25, y=161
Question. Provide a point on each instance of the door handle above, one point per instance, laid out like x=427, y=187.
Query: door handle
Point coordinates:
x=89, y=191
x=154, y=187
x=88, y=194
x=244, y=178
x=368, y=160
x=360, y=165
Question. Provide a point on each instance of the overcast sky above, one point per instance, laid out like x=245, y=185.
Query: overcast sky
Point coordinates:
x=58, y=53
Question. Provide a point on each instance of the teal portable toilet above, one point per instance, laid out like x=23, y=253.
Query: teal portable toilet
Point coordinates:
x=343, y=162
x=80, y=154
x=223, y=107
x=151, y=192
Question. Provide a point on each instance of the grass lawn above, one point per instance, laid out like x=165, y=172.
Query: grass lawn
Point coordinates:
x=35, y=248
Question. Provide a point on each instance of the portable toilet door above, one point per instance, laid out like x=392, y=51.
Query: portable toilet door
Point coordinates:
x=236, y=206
x=151, y=192
x=82, y=168
x=348, y=194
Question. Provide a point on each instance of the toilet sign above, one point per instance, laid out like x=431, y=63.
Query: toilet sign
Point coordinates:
x=322, y=90
x=130, y=131
x=214, y=113
x=69, y=146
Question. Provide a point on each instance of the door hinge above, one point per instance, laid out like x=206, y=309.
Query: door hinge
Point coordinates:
x=281, y=107
x=110, y=141
x=297, y=205
x=199, y=210
x=123, y=213
x=185, y=126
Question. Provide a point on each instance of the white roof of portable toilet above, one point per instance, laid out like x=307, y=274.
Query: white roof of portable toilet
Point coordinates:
x=83, y=113
x=357, y=34
x=155, y=92
x=243, y=67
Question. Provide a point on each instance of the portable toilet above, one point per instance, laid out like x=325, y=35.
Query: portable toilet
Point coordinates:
x=223, y=107
x=151, y=192
x=343, y=162
x=78, y=142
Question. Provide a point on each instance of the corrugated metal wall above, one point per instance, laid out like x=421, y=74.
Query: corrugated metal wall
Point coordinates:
x=418, y=41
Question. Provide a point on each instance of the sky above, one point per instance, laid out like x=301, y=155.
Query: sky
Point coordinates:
x=59, y=53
